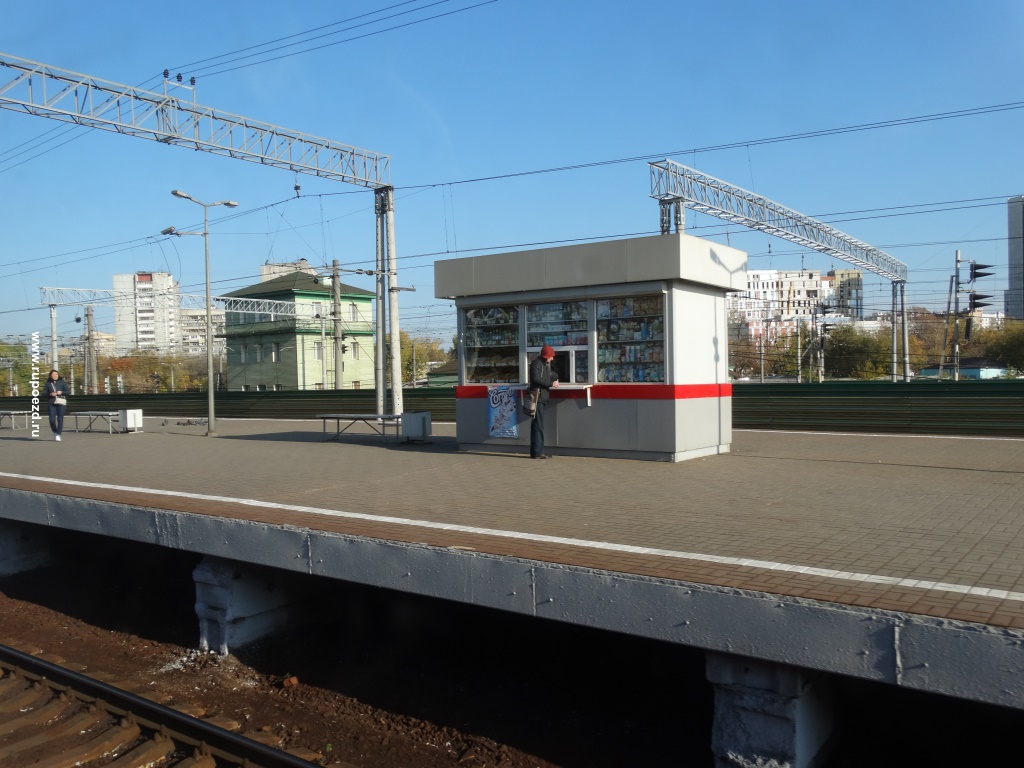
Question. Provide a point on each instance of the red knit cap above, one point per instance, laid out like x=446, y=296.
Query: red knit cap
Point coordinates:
x=547, y=352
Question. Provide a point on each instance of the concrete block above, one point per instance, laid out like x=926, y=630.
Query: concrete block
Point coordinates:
x=237, y=603
x=768, y=715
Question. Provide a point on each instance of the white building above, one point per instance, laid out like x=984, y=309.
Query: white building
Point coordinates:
x=777, y=301
x=146, y=309
x=192, y=331
x=271, y=269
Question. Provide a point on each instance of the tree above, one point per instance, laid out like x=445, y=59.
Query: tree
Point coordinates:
x=1004, y=344
x=16, y=370
x=421, y=350
x=852, y=354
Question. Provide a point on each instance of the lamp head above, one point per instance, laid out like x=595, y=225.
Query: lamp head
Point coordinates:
x=168, y=231
x=230, y=204
x=179, y=193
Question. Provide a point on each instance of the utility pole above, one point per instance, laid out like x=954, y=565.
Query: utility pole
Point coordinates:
x=387, y=194
x=323, y=351
x=761, y=345
x=378, y=363
x=339, y=364
x=956, y=320
x=54, y=354
x=945, y=332
x=799, y=355
x=93, y=376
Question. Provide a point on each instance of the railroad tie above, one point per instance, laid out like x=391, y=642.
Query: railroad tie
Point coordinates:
x=124, y=733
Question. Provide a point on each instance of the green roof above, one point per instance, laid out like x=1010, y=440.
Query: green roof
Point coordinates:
x=294, y=282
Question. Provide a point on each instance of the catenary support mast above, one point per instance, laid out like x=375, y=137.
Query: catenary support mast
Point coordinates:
x=677, y=186
x=173, y=117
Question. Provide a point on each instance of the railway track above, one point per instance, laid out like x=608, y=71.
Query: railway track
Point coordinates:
x=52, y=717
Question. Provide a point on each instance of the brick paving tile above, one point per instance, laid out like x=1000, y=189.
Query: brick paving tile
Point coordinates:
x=895, y=506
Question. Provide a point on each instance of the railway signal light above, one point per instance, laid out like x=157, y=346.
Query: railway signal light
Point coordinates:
x=975, y=301
x=978, y=270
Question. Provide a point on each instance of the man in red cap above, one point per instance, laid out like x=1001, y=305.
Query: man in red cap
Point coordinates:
x=542, y=379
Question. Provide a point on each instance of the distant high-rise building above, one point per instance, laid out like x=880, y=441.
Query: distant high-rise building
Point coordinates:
x=192, y=331
x=1013, y=299
x=781, y=299
x=847, y=292
x=146, y=307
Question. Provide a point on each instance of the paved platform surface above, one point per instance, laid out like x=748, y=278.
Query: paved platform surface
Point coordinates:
x=922, y=525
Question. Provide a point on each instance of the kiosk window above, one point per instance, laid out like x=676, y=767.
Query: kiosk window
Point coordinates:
x=631, y=339
x=491, y=345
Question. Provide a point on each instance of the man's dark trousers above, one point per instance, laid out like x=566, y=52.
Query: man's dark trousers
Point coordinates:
x=537, y=432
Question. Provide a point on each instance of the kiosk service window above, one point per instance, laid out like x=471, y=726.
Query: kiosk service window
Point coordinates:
x=624, y=336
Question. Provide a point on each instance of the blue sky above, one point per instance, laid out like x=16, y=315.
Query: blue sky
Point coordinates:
x=506, y=87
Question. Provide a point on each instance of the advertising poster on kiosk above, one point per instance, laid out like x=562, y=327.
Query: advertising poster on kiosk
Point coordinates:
x=501, y=412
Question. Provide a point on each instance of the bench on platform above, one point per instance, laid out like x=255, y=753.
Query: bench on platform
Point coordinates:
x=13, y=416
x=92, y=419
x=378, y=422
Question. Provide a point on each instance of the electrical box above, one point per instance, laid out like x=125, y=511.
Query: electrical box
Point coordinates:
x=130, y=420
x=416, y=425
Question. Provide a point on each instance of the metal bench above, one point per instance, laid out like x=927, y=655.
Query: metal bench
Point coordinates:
x=378, y=422
x=13, y=416
x=92, y=418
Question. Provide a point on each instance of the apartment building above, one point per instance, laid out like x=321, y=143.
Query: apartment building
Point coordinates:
x=777, y=301
x=192, y=331
x=146, y=307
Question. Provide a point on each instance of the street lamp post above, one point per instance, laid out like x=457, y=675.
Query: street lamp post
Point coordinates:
x=211, y=424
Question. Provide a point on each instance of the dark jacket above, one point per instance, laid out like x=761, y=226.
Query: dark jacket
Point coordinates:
x=541, y=377
x=59, y=386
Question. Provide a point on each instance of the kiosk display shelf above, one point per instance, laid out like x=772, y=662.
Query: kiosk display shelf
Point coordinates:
x=559, y=324
x=631, y=339
x=491, y=344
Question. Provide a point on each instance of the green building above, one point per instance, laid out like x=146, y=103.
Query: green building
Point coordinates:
x=268, y=353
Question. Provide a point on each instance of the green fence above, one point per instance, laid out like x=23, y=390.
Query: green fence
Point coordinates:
x=947, y=408
x=258, y=405
x=926, y=407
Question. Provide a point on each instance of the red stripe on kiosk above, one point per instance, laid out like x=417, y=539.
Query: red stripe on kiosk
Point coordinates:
x=620, y=391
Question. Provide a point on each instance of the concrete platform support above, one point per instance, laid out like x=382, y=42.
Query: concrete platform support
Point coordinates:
x=23, y=547
x=238, y=603
x=768, y=715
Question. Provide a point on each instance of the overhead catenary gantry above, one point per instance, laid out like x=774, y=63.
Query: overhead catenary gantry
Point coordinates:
x=62, y=297
x=677, y=187
x=88, y=297
x=48, y=91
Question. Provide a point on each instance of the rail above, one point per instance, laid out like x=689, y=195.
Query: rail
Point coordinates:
x=53, y=708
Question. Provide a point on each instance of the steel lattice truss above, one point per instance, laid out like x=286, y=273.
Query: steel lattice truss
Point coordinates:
x=671, y=182
x=64, y=297
x=40, y=89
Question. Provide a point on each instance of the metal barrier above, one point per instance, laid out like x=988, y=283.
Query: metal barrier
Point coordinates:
x=259, y=405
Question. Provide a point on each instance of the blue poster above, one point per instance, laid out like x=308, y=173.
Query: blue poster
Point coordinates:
x=502, y=409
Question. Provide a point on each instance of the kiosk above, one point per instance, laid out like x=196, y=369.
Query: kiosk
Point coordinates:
x=641, y=338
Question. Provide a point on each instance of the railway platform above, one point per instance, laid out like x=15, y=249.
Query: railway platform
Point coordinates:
x=795, y=557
